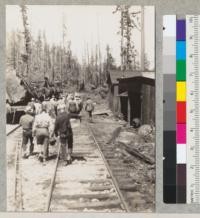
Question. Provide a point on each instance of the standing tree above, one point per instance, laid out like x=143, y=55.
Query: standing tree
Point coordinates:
x=39, y=50
x=127, y=24
x=27, y=39
x=110, y=62
x=46, y=58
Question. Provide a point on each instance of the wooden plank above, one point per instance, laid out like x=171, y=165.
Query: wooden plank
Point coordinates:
x=100, y=188
x=117, y=168
x=96, y=181
x=96, y=205
x=84, y=154
x=129, y=187
x=110, y=156
x=120, y=173
x=99, y=196
x=108, y=153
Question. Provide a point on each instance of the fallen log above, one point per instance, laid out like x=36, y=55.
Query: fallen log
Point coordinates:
x=136, y=153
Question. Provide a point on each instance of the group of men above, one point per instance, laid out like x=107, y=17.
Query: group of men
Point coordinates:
x=49, y=121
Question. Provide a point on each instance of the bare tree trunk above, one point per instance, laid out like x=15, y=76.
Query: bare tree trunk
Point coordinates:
x=142, y=39
x=122, y=40
x=128, y=40
x=27, y=38
x=88, y=55
x=100, y=66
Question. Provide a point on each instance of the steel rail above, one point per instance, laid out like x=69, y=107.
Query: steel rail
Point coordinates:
x=18, y=201
x=18, y=187
x=114, y=181
x=13, y=130
x=53, y=180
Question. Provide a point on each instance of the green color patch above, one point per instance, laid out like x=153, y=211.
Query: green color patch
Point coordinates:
x=181, y=70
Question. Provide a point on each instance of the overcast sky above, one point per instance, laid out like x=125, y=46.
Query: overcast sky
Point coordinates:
x=85, y=25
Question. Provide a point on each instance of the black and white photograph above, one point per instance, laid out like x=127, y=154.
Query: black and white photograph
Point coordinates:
x=80, y=108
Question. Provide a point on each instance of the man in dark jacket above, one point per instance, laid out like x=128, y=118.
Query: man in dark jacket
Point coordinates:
x=64, y=130
x=89, y=107
x=26, y=121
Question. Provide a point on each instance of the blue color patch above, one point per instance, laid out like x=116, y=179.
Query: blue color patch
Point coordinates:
x=180, y=50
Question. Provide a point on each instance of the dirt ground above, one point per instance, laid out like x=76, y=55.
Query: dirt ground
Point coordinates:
x=139, y=173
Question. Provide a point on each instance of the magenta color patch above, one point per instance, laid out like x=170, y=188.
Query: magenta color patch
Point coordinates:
x=181, y=133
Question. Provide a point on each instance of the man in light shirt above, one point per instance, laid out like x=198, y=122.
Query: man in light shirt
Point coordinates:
x=43, y=129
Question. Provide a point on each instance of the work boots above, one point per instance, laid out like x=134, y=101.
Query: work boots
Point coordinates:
x=69, y=158
x=25, y=153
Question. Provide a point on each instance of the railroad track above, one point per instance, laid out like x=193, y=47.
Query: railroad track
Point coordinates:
x=97, y=180
x=14, y=134
x=132, y=173
x=12, y=129
x=87, y=184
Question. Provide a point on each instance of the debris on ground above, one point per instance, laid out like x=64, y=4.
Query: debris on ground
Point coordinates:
x=114, y=135
x=134, y=149
x=147, y=132
x=137, y=153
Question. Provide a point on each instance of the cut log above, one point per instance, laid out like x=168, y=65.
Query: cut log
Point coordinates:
x=136, y=153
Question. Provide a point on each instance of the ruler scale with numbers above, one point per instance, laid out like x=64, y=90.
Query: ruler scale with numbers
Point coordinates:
x=181, y=109
x=193, y=108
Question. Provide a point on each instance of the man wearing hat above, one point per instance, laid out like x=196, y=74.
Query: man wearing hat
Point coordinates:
x=43, y=129
x=64, y=130
x=26, y=121
x=32, y=105
x=89, y=107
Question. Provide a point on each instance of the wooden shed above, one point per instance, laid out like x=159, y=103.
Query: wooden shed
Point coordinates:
x=132, y=94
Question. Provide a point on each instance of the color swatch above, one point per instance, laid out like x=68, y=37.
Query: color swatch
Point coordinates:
x=181, y=111
x=169, y=108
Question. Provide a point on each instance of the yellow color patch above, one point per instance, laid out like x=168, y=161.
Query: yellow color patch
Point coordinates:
x=180, y=91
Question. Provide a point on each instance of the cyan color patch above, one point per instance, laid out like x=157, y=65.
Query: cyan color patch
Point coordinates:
x=180, y=50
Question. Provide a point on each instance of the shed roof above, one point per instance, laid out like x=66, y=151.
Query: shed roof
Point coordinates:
x=116, y=75
x=123, y=94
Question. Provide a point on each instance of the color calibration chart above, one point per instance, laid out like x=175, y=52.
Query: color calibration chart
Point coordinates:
x=181, y=109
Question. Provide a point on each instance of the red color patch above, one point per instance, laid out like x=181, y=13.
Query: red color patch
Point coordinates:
x=180, y=112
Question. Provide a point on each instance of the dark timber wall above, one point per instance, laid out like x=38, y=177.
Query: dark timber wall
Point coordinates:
x=133, y=98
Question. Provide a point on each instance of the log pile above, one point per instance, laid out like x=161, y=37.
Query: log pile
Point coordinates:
x=14, y=90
